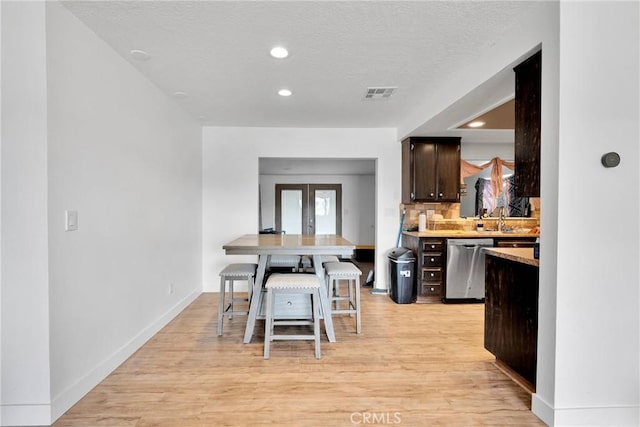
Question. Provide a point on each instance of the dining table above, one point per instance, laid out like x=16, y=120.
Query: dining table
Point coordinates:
x=268, y=245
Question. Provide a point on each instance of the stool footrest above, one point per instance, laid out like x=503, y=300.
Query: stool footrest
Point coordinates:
x=293, y=337
x=292, y=322
x=345, y=311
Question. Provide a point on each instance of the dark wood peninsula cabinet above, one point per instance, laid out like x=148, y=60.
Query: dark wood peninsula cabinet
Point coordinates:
x=431, y=169
x=528, y=76
x=511, y=314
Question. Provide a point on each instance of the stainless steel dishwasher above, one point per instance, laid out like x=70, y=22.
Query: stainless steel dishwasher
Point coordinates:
x=465, y=270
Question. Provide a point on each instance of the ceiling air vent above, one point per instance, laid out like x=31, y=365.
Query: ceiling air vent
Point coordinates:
x=379, y=93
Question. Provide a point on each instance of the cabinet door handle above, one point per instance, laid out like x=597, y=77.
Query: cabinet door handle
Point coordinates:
x=433, y=246
x=431, y=194
x=413, y=196
x=432, y=259
x=433, y=275
x=440, y=195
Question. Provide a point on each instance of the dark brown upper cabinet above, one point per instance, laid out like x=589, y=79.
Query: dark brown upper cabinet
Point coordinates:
x=527, y=126
x=430, y=169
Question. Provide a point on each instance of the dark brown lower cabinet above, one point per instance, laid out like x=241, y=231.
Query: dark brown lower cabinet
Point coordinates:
x=430, y=266
x=511, y=314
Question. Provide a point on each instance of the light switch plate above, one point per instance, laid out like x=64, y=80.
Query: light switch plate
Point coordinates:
x=70, y=220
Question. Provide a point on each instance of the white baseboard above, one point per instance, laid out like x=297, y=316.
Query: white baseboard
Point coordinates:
x=26, y=415
x=619, y=416
x=542, y=409
x=69, y=397
x=588, y=416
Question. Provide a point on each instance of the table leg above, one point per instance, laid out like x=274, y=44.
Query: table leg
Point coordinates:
x=255, y=298
x=324, y=299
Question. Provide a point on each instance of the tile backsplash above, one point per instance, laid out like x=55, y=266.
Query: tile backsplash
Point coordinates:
x=451, y=217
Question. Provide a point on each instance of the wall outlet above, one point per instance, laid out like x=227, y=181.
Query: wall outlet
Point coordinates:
x=430, y=213
x=170, y=288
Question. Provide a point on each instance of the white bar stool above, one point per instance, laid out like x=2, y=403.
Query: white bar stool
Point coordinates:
x=290, y=284
x=231, y=273
x=336, y=271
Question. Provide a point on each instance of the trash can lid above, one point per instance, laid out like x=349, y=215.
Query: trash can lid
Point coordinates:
x=403, y=254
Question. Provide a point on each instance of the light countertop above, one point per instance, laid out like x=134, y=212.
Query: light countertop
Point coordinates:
x=522, y=255
x=469, y=234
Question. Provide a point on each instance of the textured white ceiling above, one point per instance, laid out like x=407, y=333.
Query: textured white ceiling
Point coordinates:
x=217, y=52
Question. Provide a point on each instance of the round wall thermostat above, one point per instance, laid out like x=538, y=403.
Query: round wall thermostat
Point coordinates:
x=610, y=160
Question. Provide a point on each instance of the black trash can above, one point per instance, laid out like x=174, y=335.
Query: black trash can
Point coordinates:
x=402, y=282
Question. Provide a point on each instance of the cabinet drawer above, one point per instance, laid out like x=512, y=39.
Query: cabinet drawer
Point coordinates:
x=433, y=275
x=431, y=289
x=291, y=306
x=432, y=246
x=431, y=260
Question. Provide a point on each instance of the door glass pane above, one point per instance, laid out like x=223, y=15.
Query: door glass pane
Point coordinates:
x=325, y=218
x=291, y=211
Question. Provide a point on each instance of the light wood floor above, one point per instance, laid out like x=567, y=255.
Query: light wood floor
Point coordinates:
x=413, y=365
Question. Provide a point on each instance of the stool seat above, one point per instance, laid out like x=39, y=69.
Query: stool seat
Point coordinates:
x=335, y=272
x=229, y=274
x=341, y=269
x=292, y=283
x=239, y=270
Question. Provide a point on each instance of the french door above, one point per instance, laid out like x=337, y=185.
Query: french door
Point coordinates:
x=309, y=208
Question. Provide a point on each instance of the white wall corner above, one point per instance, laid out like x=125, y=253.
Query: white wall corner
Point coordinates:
x=25, y=362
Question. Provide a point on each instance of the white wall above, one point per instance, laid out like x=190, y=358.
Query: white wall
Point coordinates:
x=597, y=325
x=1, y=214
x=127, y=158
x=87, y=132
x=230, y=182
x=25, y=300
x=358, y=194
x=486, y=151
x=366, y=205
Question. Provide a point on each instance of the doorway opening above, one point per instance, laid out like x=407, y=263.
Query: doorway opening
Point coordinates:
x=356, y=177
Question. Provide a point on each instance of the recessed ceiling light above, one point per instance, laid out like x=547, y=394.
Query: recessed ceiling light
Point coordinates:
x=279, y=52
x=284, y=92
x=180, y=95
x=139, y=55
x=476, y=124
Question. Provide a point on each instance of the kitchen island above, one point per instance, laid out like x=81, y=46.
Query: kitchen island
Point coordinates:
x=511, y=311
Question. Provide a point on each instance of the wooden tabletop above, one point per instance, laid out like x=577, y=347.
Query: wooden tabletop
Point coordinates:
x=289, y=244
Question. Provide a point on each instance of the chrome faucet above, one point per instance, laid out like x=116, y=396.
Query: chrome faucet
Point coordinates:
x=501, y=218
